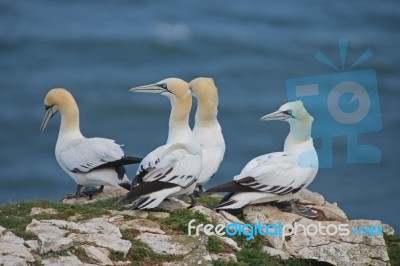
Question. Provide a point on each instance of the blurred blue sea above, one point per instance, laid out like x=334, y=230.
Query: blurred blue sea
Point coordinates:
x=100, y=49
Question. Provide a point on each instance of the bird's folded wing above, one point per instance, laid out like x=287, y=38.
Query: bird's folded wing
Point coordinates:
x=274, y=173
x=177, y=167
x=84, y=155
x=212, y=158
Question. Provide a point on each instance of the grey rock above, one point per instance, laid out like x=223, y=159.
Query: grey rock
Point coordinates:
x=216, y=217
x=97, y=255
x=8, y=237
x=61, y=227
x=107, y=241
x=64, y=261
x=171, y=204
x=198, y=257
x=39, y=227
x=230, y=242
x=9, y=250
x=171, y=245
x=50, y=242
x=9, y=260
x=332, y=248
x=36, y=211
x=387, y=229
x=160, y=215
x=33, y=245
x=141, y=225
x=224, y=256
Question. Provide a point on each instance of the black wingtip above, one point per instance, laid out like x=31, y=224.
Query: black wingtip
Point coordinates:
x=231, y=187
x=126, y=185
x=132, y=160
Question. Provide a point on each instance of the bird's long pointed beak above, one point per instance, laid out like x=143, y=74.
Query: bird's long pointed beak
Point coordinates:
x=152, y=88
x=48, y=114
x=277, y=115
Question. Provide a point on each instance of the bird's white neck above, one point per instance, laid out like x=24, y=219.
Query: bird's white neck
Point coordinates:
x=69, y=128
x=179, y=130
x=207, y=110
x=299, y=135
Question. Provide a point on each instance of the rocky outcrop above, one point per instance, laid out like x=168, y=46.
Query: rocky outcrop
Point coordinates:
x=103, y=240
x=321, y=239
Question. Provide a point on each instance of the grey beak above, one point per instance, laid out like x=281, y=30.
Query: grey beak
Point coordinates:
x=152, y=88
x=278, y=115
x=48, y=114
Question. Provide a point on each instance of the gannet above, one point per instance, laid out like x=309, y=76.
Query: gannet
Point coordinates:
x=171, y=169
x=89, y=161
x=207, y=129
x=277, y=176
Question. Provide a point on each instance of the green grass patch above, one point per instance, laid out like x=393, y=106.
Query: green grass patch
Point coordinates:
x=209, y=200
x=393, y=247
x=215, y=245
x=16, y=216
x=179, y=219
x=116, y=255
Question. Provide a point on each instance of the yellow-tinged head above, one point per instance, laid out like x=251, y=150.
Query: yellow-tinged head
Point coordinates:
x=171, y=87
x=206, y=93
x=205, y=90
x=177, y=91
x=56, y=100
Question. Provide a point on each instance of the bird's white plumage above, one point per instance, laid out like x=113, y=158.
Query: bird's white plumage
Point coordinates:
x=280, y=175
x=207, y=129
x=84, y=154
x=178, y=162
x=79, y=156
x=213, y=149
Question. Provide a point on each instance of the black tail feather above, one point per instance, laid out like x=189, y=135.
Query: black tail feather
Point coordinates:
x=232, y=187
x=126, y=185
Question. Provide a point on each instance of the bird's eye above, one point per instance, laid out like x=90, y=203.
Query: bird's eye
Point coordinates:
x=288, y=112
x=164, y=85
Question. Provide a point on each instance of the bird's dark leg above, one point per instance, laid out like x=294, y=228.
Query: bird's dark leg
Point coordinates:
x=77, y=194
x=199, y=192
x=193, y=201
x=92, y=191
x=305, y=212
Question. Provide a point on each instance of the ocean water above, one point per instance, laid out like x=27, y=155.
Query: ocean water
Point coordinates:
x=101, y=49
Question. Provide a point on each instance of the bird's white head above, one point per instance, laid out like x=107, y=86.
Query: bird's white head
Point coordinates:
x=173, y=88
x=299, y=119
x=205, y=89
x=290, y=112
x=179, y=94
x=56, y=100
x=206, y=92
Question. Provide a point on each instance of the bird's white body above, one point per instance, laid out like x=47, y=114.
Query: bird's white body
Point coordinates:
x=207, y=129
x=295, y=168
x=81, y=158
x=176, y=164
x=279, y=176
x=82, y=154
x=210, y=137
